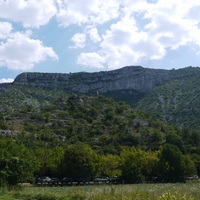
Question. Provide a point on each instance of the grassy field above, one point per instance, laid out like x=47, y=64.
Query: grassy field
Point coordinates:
x=188, y=191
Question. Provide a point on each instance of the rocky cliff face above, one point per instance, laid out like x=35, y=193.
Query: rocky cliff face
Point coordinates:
x=129, y=78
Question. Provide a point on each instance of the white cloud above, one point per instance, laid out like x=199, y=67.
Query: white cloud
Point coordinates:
x=137, y=6
x=92, y=12
x=92, y=60
x=5, y=29
x=124, y=45
x=79, y=40
x=141, y=31
x=6, y=80
x=105, y=11
x=20, y=52
x=110, y=33
x=93, y=34
x=31, y=13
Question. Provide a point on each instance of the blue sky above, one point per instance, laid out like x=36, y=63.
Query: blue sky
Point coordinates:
x=65, y=36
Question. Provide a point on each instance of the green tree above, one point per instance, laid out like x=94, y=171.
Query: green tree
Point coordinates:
x=17, y=163
x=175, y=139
x=57, y=156
x=195, y=138
x=80, y=161
x=3, y=125
x=46, y=134
x=47, y=116
x=110, y=165
x=44, y=157
x=156, y=139
x=50, y=160
x=136, y=164
x=131, y=166
x=171, y=163
x=190, y=168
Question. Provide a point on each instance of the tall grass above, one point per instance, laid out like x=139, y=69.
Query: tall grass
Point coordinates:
x=188, y=191
x=4, y=191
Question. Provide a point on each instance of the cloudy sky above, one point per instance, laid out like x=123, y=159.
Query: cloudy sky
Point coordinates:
x=97, y=35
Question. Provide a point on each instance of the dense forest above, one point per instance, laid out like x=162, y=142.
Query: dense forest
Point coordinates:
x=82, y=136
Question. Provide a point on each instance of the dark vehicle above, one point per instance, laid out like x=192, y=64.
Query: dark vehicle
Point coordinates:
x=114, y=180
x=83, y=180
x=66, y=180
x=53, y=181
x=36, y=180
x=78, y=181
x=44, y=179
x=101, y=179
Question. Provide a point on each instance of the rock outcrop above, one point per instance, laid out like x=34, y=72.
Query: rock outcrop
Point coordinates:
x=134, y=78
x=7, y=133
x=126, y=80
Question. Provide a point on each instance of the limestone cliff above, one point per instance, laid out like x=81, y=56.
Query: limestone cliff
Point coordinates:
x=129, y=78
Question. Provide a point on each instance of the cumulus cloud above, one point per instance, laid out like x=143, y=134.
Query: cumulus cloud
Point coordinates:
x=5, y=29
x=31, y=13
x=79, y=12
x=17, y=49
x=6, y=80
x=20, y=52
x=110, y=33
x=92, y=60
x=140, y=30
x=94, y=35
x=123, y=44
x=79, y=40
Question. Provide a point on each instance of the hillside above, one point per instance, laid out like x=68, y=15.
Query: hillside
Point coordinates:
x=14, y=98
x=96, y=120
x=52, y=133
x=170, y=95
x=176, y=102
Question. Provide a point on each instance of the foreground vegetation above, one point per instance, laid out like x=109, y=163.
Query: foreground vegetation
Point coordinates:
x=84, y=136
x=188, y=191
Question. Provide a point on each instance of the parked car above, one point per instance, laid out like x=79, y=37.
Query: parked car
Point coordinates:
x=44, y=179
x=114, y=179
x=101, y=179
x=195, y=177
x=36, y=180
x=83, y=180
x=66, y=180
x=53, y=181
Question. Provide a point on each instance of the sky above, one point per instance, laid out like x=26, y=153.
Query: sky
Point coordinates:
x=67, y=36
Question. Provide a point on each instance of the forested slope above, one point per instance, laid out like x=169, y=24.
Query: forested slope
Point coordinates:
x=49, y=126
x=177, y=102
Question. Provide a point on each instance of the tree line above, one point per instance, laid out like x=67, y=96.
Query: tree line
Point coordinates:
x=131, y=165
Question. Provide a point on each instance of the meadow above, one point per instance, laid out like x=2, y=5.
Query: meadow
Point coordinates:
x=178, y=191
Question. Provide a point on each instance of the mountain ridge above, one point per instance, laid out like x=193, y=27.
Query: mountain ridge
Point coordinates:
x=127, y=78
x=160, y=92
x=130, y=77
